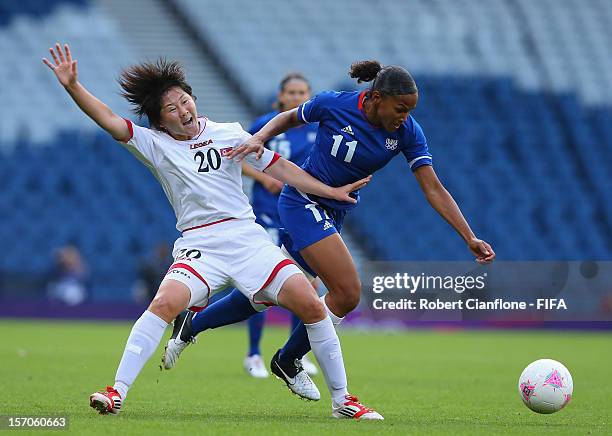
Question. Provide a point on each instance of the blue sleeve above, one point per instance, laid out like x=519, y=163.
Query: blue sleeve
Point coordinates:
x=415, y=146
x=315, y=109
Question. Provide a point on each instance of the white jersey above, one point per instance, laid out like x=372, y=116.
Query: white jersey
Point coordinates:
x=201, y=183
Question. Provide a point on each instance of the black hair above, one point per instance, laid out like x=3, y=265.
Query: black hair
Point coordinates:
x=144, y=85
x=283, y=83
x=389, y=80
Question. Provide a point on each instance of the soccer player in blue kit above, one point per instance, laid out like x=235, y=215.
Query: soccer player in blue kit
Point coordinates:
x=293, y=145
x=359, y=132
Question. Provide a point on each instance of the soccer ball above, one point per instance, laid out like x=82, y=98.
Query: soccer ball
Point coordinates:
x=545, y=386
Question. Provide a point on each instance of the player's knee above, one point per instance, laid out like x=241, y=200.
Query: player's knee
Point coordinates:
x=349, y=303
x=312, y=311
x=164, y=307
x=345, y=295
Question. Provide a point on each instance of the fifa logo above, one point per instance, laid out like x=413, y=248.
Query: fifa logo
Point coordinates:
x=391, y=144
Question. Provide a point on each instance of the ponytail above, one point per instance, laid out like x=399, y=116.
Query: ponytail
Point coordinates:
x=389, y=80
x=365, y=71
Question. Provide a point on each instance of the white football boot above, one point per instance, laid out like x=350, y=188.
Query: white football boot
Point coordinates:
x=296, y=378
x=181, y=337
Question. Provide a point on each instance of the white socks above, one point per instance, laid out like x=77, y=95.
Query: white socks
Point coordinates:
x=142, y=342
x=326, y=348
x=335, y=319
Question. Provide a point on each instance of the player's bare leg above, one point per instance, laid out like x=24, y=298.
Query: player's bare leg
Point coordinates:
x=333, y=263
x=172, y=297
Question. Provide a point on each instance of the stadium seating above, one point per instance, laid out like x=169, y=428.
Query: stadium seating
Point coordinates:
x=33, y=94
x=65, y=181
x=517, y=111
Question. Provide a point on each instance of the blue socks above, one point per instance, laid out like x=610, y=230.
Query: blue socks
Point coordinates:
x=297, y=346
x=230, y=309
x=234, y=308
x=294, y=322
x=256, y=324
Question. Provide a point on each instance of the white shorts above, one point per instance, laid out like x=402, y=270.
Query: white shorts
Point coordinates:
x=236, y=253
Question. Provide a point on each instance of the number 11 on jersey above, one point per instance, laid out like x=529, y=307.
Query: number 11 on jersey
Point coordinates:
x=351, y=148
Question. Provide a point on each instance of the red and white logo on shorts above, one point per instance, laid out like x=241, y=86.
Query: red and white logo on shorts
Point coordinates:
x=225, y=151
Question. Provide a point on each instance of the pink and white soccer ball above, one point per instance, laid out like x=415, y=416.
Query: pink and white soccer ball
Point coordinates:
x=546, y=386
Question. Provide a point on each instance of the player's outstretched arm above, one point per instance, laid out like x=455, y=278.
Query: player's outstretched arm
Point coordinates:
x=290, y=173
x=277, y=125
x=441, y=200
x=65, y=69
x=269, y=183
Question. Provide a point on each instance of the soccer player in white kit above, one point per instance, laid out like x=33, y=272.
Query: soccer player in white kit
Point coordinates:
x=221, y=244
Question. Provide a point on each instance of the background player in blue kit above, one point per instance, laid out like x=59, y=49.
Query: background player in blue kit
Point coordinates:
x=294, y=145
x=359, y=133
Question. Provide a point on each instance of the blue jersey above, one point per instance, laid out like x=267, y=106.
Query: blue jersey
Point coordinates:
x=293, y=145
x=349, y=148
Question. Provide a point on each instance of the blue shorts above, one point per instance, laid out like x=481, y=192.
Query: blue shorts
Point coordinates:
x=305, y=222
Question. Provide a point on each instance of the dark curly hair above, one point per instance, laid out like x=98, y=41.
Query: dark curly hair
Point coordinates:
x=144, y=85
x=389, y=80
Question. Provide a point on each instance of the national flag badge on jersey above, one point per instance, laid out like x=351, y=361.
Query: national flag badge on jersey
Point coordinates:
x=225, y=151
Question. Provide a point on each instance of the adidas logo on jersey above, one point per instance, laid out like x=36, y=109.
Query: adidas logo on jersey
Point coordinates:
x=327, y=225
x=348, y=129
x=391, y=144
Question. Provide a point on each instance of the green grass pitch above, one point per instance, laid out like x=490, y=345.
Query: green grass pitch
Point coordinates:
x=423, y=382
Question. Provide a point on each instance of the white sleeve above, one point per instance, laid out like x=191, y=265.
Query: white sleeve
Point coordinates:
x=268, y=157
x=141, y=143
x=243, y=135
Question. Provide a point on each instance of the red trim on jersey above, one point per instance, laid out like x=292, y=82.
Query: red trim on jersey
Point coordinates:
x=209, y=224
x=273, y=274
x=130, y=128
x=361, y=99
x=195, y=273
x=273, y=161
